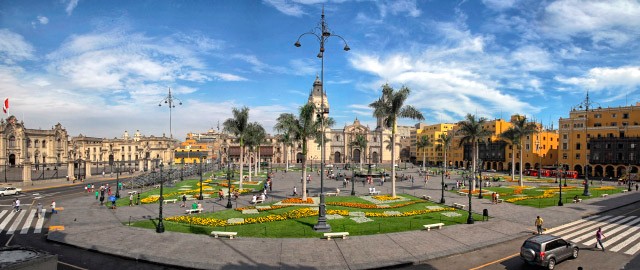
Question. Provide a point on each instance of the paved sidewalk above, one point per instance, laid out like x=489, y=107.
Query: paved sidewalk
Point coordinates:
x=90, y=226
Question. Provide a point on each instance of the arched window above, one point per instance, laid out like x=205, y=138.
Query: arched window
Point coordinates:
x=36, y=143
x=44, y=144
x=28, y=143
x=12, y=141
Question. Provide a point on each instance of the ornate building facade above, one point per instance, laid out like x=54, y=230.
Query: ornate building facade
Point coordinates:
x=39, y=147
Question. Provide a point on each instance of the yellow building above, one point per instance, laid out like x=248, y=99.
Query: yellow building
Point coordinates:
x=605, y=140
x=192, y=150
x=432, y=155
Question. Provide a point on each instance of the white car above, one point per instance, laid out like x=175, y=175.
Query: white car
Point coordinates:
x=9, y=191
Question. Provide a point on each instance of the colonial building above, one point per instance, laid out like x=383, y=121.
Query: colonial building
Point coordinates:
x=434, y=154
x=38, y=147
x=604, y=140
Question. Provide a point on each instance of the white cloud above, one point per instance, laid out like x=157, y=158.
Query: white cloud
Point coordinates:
x=606, y=78
x=13, y=47
x=71, y=5
x=532, y=58
x=228, y=77
x=613, y=23
x=499, y=4
x=287, y=7
x=396, y=7
x=43, y=19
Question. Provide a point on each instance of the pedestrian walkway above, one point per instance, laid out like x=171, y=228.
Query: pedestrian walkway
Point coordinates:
x=21, y=222
x=622, y=232
x=83, y=216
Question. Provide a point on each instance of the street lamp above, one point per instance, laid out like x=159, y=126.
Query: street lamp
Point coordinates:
x=470, y=217
x=480, y=166
x=322, y=33
x=560, y=187
x=182, y=170
x=170, y=100
x=629, y=177
x=118, y=181
x=444, y=166
x=201, y=159
x=160, y=227
x=540, y=156
x=586, y=103
x=229, y=205
x=353, y=182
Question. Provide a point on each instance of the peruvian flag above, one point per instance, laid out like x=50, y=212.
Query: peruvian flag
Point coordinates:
x=5, y=106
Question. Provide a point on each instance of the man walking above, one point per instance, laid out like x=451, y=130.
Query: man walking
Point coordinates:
x=539, y=222
x=17, y=205
x=599, y=236
x=39, y=210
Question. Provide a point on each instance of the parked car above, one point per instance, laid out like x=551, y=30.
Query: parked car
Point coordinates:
x=9, y=191
x=546, y=250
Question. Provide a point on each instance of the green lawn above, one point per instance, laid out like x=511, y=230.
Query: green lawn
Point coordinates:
x=303, y=226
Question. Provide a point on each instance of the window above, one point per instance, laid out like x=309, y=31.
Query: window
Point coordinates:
x=632, y=156
x=578, y=156
x=564, y=136
x=625, y=116
x=614, y=115
x=624, y=124
x=597, y=124
x=597, y=115
x=632, y=146
x=36, y=144
x=620, y=146
x=613, y=124
x=44, y=144
x=565, y=156
x=596, y=156
x=526, y=147
x=577, y=146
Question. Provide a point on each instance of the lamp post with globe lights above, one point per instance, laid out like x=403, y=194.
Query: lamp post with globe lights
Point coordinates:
x=322, y=33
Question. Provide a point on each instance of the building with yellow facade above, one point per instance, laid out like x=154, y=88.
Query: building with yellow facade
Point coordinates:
x=606, y=141
x=432, y=155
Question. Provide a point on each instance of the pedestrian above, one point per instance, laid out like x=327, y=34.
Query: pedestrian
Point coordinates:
x=295, y=191
x=93, y=187
x=131, y=199
x=184, y=200
x=599, y=236
x=101, y=199
x=53, y=207
x=271, y=185
x=112, y=199
x=13, y=204
x=97, y=193
x=539, y=223
x=86, y=189
x=636, y=187
x=39, y=210
x=17, y=205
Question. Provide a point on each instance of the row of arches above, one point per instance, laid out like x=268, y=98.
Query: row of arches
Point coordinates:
x=597, y=171
x=357, y=157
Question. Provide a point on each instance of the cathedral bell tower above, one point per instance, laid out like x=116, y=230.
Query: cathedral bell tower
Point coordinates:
x=317, y=97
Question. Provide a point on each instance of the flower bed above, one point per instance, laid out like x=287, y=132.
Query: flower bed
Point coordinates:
x=369, y=206
x=298, y=200
x=386, y=198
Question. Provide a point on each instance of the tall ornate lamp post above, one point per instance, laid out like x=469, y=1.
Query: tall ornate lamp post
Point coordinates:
x=470, y=217
x=229, y=205
x=322, y=33
x=586, y=103
x=560, y=188
x=118, y=181
x=480, y=169
x=170, y=100
x=201, y=160
x=353, y=182
x=629, y=177
x=444, y=166
x=160, y=227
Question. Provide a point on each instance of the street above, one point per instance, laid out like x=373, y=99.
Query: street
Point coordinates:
x=507, y=255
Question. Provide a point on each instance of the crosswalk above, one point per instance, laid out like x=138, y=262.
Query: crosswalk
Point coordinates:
x=12, y=222
x=622, y=232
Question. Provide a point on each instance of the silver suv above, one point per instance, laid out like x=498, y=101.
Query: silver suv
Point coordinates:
x=547, y=250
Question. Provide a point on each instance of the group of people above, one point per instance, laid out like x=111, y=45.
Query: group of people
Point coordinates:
x=16, y=207
x=599, y=234
x=494, y=197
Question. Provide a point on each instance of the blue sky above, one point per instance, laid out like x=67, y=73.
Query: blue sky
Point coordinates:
x=101, y=67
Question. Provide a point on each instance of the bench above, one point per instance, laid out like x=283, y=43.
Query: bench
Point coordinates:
x=191, y=211
x=459, y=205
x=624, y=190
x=428, y=198
x=156, y=186
x=500, y=200
x=170, y=200
x=218, y=233
x=331, y=194
x=462, y=193
x=257, y=201
x=604, y=195
x=577, y=200
x=429, y=226
x=336, y=234
x=377, y=192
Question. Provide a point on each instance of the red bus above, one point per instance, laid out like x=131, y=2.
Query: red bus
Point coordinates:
x=543, y=172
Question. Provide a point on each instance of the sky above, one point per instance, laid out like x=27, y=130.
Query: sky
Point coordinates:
x=100, y=68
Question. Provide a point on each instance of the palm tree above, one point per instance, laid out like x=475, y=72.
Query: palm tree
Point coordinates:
x=511, y=136
x=301, y=129
x=361, y=142
x=423, y=143
x=389, y=107
x=237, y=125
x=286, y=138
x=472, y=130
x=444, y=141
x=254, y=137
x=523, y=129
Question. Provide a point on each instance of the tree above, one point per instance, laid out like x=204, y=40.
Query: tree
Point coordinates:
x=237, y=125
x=523, y=129
x=286, y=137
x=255, y=135
x=444, y=141
x=301, y=129
x=472, y=130
x=361, y=142
x=511, y=136
x=422, y=144
x=389, y=107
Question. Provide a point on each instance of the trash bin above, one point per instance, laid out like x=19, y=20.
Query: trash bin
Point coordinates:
x=485, y=214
